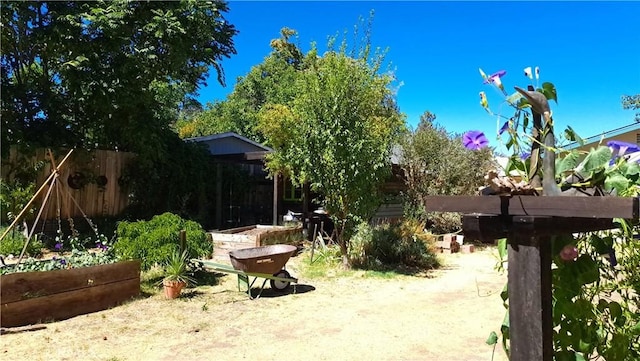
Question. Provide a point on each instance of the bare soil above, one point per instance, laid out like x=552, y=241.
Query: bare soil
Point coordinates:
x=444, y=315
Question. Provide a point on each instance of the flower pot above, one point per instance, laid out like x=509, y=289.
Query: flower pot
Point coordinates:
x=172, y=289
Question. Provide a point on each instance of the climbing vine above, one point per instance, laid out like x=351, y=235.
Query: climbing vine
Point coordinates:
x=596, y=287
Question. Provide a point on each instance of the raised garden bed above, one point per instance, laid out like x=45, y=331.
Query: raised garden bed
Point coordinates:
x=253, y=236
x=34, y=297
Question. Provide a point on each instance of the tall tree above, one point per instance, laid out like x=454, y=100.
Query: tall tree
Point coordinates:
x=270, y=82
x=435, y=162
x=338, y=132
x=111, y=73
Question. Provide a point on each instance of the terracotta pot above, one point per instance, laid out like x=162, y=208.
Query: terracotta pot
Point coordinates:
x=172, y=289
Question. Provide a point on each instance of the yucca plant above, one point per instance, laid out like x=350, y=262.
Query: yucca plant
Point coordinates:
x=177, y=270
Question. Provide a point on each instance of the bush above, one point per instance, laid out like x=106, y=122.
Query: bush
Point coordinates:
x=387, y=246
x=14, y=242
x=154, y=241
x=444, y=222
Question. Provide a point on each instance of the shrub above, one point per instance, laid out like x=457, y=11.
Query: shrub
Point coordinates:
x=387, y=246
x=154, y=241
x=13, y=244
x=444, y=222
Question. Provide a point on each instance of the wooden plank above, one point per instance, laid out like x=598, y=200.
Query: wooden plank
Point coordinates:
x=24, y=285
x=64, y=305
x=560, y=206
x=489, y=227
x=530, y=304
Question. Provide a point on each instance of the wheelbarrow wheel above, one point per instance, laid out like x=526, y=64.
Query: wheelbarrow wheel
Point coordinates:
x=280, y=285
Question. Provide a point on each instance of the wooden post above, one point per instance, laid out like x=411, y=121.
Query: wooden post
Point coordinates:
x=183, y=240
x=529, y=287
x=276, y=197
x=529, y=223
x=218, y=220
x=305, y=204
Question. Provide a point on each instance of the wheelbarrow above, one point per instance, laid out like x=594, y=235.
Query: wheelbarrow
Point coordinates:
x=258, y=262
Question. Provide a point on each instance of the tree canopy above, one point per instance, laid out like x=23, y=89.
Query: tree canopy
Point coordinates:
x=337, y=132
x=435, y=162
x=270, y=82
x=104, y=73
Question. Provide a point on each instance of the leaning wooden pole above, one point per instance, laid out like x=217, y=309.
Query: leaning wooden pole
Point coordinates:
x=17, y=219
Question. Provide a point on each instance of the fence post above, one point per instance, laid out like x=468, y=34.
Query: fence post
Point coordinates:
x=530, y=292
x=183, y=241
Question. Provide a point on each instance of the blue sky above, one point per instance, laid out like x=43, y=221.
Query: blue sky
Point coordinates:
x=589, y=50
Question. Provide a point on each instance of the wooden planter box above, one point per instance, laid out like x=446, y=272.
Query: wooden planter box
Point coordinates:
x=252, y=236
x=33, y=297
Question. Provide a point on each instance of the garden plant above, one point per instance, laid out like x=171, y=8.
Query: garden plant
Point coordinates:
x=594, y=279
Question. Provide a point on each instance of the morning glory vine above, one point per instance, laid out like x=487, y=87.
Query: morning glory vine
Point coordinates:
x=596, y=286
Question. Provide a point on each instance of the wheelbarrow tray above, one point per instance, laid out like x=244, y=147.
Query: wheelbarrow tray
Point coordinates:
x=264, y=260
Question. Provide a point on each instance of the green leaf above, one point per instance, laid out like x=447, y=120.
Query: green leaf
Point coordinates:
x=615, y=309
x=601, y=245
x=587, y=270
x=567, y=163
x=493, y=338
x=596, y=159
x=583, y=347
x=616, y=181
x=549, y=91
x=513, y=98
x=632, y=170
x=502, y=248
x=571, y=135
x=505, y=293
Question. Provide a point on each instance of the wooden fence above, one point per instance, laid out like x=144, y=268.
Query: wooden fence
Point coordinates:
x=89, y=182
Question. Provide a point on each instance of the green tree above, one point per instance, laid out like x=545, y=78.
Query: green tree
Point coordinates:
x=337, y=133
x=632, y=102
x=270, y=82
x=116, y=75
x=435, y=162
x=111, y=73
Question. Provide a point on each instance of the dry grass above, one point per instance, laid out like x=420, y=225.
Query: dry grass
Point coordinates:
x=446, y=315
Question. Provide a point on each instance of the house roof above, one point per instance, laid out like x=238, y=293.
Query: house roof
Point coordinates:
x=604, y=135
x=233, y=147
x=230, y=143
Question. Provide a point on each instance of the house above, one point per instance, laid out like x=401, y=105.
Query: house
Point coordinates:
x=246, y=196
x=629, y=134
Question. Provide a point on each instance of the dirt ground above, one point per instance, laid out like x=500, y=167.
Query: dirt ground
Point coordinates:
x=445, y=315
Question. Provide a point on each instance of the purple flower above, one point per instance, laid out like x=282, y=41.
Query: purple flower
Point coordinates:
x=619, y=148
x=504, y=127
x=525, y=155
x=63, y=262
x=569, y=253
x=495, y=77
x=102, y=247
x=474, y=140
x=58, y=246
